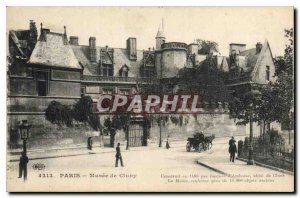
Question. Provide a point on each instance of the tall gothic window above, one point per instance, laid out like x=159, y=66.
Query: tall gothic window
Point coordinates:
x=108, y=70
x=149, y=71
x=42, y=83
x=267, y=73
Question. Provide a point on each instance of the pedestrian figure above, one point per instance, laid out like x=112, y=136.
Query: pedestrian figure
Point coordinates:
x=232, y=140
x=112, y=137
x=118, y=155
x=168, y=144
x=232, y=151
x=90, y=143
x=23, y=165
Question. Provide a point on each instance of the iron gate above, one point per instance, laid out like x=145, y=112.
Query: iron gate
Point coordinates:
x=137, y=136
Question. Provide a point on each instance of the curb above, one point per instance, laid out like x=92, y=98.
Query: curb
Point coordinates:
x=211, y=168
x=87, y=153
x=268, y=166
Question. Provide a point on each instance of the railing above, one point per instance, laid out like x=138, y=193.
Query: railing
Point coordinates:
x=97, y=78
x=272, y=154
x=172, y=45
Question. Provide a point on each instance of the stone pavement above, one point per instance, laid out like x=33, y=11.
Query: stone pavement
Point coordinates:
x=14, y=155
x=217, y=159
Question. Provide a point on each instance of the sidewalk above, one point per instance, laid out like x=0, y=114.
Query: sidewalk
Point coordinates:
x=217, y=159
x=14, y=156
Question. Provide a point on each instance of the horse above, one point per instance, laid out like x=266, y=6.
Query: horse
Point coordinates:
x=208, y=140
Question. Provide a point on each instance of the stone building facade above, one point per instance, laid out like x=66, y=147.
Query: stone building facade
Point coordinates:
x=53, y=66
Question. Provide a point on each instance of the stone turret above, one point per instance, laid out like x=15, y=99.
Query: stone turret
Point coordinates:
x=160, y=38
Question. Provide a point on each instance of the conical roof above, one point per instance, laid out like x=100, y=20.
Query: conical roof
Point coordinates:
x=160, y=33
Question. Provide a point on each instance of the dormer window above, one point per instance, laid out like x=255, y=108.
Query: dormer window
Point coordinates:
x=107, y=61
x=108, y=69
x=268, y=73
x=124, y=71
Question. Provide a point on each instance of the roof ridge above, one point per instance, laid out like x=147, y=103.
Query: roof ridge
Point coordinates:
x=55, y=33
x=248, y=49
x=104, y=47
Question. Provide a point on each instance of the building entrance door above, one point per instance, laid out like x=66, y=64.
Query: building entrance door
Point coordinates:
x=137, y=135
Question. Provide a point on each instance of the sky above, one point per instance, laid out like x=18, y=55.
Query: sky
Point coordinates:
x=113, y=25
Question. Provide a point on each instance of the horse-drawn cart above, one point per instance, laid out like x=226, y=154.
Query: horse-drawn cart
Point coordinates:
x=199, y=142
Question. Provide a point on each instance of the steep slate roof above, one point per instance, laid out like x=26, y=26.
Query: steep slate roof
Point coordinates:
x=220, y=61
x=250, y=59
x=120, y=58
x=53, y=52
x=82, y=54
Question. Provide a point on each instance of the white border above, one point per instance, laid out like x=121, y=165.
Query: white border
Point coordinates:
x=5, y=3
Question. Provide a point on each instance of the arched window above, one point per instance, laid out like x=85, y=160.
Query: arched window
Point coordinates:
x=124, y=71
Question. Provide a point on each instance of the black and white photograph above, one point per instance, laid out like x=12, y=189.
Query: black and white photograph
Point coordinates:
x=150, y=99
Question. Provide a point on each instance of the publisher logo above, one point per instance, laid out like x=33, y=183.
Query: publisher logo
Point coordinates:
x=38, y=166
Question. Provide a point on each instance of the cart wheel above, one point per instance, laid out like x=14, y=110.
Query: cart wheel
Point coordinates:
x=200, y=147
x=188, y=147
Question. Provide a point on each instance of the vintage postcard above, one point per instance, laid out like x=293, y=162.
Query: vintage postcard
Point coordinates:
x=150, y=99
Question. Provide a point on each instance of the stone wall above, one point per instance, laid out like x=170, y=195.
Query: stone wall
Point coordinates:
x=219, y=124
x=43, y=134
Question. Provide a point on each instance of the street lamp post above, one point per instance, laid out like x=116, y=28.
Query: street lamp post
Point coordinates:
x=24, y=131
x=160, y=141
x=250, y=158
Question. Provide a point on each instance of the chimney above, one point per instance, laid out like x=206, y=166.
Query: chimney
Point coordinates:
x=65, y=36
x=73, y=40
x=44, y=32
x=258, y=47
x=92, y=49
x=33, y=35
x=193, y=48
x=33, y=31
x=236, y=48
x=131, y=48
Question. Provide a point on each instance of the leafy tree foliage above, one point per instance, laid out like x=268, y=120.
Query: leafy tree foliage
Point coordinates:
x=206, y=81
x=284, y=85
x=277, y=98
x=82, y=111
x=206, y=46
x=59, y=114
x=246, y=107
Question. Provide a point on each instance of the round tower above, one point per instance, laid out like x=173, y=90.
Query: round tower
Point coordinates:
x=173, y=58
x=160, y=38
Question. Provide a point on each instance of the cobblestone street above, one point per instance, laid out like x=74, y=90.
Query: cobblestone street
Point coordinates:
x=153, y=166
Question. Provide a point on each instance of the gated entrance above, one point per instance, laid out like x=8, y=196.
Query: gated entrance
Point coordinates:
x=137, y=133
